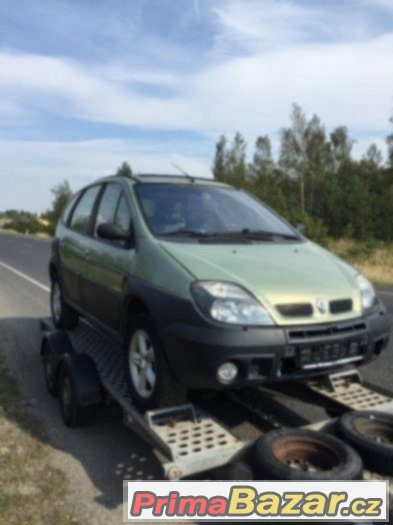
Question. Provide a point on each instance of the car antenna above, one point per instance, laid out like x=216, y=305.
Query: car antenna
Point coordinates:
x=192, y=179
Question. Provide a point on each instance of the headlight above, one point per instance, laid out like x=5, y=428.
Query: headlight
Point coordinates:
x=229, y=303
x=367, y=292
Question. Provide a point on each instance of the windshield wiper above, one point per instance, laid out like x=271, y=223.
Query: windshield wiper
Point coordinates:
x=183, y=233
x=266, y=234
x=245, y=235
x=208, y=236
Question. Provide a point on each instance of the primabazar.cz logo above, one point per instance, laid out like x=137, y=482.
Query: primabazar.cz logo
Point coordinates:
x=256, y=500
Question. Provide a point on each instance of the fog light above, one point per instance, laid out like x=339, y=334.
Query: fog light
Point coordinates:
x=227, y=372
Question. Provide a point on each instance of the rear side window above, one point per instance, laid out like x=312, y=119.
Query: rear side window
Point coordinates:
x=80, y=220
x=108, y=205
x=68, y=208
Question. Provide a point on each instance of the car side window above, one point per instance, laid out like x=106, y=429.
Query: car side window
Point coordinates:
x=108, y=205
x=68, y=209
x=81, y=217
x=123, y=214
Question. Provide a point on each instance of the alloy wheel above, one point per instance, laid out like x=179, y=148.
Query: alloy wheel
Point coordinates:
x=142, y=363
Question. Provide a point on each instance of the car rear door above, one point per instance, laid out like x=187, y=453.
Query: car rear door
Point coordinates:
x=74, y=243
x=109, y=261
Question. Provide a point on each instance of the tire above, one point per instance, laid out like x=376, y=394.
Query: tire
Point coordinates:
x=72, y=413
x=371, y=434
x=50, y=374
x=63, y=315
x=160, y=388
x=298, y=454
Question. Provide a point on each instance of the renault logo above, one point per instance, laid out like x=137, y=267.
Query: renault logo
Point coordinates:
x=321, y=305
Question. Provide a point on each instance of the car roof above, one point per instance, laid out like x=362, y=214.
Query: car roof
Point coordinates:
x=153, y=178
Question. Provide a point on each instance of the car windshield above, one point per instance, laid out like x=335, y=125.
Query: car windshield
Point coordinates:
x=204, y=210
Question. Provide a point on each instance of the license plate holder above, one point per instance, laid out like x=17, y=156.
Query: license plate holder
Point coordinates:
x=316, y=355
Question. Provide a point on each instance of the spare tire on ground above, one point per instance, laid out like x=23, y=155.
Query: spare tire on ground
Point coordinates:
x=290, y=454
x=371, y=434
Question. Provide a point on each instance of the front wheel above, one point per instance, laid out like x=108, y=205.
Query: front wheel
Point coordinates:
x=64, y=316
x=149, y=377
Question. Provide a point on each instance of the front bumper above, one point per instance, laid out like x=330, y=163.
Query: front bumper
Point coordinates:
x=270, y=354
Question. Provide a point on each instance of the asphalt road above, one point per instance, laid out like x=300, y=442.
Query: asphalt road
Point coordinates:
x=97, y=458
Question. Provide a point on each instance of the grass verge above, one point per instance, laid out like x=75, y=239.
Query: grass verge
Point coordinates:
x=374, y=259
x=31, y=489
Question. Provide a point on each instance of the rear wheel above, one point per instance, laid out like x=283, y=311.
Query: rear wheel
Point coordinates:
x=64, y=316
x=73, y=414
x=50, y=374
x=149, y=377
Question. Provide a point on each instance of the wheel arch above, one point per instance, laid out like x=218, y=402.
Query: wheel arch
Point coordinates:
x=86, y=378
x=58, y=344
x=52, y=271
x=133, y=305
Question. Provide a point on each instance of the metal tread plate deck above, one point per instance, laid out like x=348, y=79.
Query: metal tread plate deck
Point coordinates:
x=348, y=389
x=193, y=445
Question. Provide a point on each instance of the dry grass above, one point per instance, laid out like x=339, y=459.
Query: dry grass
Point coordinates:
x=374, y=259
x=31, y=489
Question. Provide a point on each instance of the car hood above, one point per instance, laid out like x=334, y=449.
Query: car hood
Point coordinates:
x=275, y=273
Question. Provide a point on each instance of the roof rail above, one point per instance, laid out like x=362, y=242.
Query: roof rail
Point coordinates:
x=140, y=176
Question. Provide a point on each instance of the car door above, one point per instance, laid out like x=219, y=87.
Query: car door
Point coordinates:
x=73, y=244
x=109, y=261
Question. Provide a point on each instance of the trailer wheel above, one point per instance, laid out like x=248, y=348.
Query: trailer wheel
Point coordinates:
x=50, y=373
x=150, y=380
x=74, y=415
x=291, y=454
x=371, y=434
x=64, y=316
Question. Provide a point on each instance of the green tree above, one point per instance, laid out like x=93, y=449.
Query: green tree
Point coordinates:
x=341, y=146
x=124, y=170
x=373, y=155
x=389, y=142
x=305, y=154
x=219, y=167
x=62, y=194
x=236, y=166
x=263, y=176
x=293, y=150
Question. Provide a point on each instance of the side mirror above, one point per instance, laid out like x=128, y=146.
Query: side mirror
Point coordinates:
x=301, y=228
x=113, y=232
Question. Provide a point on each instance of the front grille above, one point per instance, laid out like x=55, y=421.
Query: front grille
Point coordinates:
x=340, y=306
x=326, y=331
x=295, y=309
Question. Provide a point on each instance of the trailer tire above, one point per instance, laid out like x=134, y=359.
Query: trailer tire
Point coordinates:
x=63, y=315
x=371, y=434
x=50, y=373
x=299, y=454
x=164, y=390
x=73, y=414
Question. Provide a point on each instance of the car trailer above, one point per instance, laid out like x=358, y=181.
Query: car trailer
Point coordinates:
x=187, y=439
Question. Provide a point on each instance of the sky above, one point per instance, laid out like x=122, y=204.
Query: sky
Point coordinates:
x=86, y=84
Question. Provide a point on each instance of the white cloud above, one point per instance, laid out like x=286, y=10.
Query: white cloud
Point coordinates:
x=30, y=169
x=265, y=56
x=269, y=23
x=348, y=83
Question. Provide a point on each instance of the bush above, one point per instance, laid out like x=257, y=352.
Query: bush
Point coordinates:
x=31, y=226
x=315, y=229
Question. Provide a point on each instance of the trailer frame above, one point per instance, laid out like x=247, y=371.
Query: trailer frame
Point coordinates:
x=187, y=438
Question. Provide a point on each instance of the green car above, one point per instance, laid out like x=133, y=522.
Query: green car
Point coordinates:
x=206, y=287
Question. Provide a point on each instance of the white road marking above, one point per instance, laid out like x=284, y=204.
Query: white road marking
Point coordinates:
x=386, y=293
x=24, y=276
